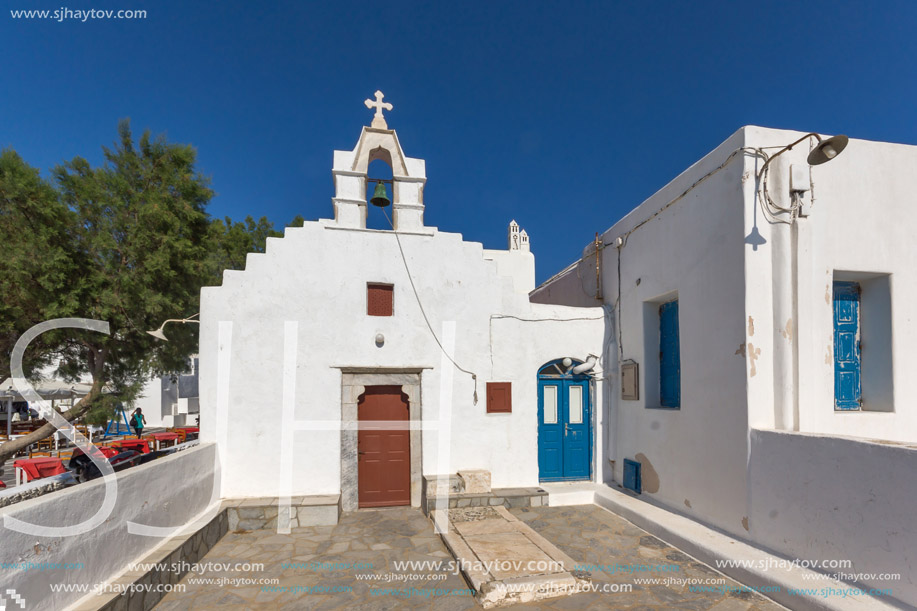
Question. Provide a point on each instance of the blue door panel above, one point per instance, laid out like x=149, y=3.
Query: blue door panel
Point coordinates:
x=576, y=434
x=669, y=356
x=846, y=345
x=550, y=436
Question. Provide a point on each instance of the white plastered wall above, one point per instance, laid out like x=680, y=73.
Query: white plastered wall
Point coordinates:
x=827, y=498
x=168, y=492
x=516, y=264
x=316, y=276
x=861, y=219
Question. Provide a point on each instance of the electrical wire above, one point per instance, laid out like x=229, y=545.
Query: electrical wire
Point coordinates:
x=744, y=149
x=424, y=313
x=618, y=311
x=767, y=200
x=756, y=152
x=498, y=316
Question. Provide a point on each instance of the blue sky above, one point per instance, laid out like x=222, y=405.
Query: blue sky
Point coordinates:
x=562, y=115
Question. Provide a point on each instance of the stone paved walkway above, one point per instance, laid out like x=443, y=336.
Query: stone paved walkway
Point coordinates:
x=370, y=542
x=608, y=546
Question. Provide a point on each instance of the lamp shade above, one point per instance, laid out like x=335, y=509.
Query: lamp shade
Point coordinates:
x=158, y=334
x=827, y=149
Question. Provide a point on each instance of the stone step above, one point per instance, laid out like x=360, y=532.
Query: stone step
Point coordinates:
x=503, y=497
x=505, y=561
x=262, y=513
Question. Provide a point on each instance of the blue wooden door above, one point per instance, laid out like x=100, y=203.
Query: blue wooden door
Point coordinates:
x=846, y=345
x=576, y=430
x=564, y=429
x=669, y=356
x=550, y=430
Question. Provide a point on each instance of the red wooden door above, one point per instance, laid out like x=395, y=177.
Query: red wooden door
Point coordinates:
x=384, y=455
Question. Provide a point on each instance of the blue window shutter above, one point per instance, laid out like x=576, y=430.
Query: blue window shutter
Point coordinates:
x=632, y=479
x=669, y=356
x=846, y=345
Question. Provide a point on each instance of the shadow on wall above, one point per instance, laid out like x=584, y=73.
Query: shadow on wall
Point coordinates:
x=648, y=475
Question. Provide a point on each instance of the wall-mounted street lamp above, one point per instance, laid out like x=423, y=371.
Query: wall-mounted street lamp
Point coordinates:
x=786, y=290
x=824, y=151
x=158, y=334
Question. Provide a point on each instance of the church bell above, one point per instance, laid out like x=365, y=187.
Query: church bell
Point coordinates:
x=380, y=196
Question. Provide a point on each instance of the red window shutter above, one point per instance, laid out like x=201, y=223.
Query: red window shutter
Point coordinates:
x=499, y=397
x=380, y=299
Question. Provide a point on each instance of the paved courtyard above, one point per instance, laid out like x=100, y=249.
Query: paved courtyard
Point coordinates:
x=352, y=565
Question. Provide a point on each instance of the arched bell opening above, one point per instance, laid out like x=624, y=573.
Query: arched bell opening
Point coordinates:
x=379, y=173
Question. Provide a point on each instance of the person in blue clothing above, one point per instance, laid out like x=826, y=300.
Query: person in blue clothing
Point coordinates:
x=138, y=422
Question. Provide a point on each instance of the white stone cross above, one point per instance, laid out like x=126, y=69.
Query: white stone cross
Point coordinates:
x=378, y=119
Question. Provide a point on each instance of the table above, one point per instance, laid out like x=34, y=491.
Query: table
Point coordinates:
x=161, y=437
x=187, y=432
x=106, y=451
x=141, y=445
x=90, y=430
x=28, y=469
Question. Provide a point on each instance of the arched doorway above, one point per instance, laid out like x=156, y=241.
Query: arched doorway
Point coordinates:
x=564, y=423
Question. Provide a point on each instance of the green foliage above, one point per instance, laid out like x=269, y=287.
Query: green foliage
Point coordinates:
x=35, y=263
x=128, y=242
x=231, y=242
x=139, y=251
x=103, y=410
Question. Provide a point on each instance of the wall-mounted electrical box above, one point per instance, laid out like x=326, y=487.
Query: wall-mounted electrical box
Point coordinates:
x=799, y=178
x=630, y=381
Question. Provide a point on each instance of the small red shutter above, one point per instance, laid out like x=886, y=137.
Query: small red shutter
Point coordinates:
x=499, y=397
x=379, y=299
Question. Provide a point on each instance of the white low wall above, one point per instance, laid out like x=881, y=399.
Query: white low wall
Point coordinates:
x=168, y=492
x=822, y=498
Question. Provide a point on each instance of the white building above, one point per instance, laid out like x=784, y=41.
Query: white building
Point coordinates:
x=337, y=324
x=761, y=349
x=172, y=399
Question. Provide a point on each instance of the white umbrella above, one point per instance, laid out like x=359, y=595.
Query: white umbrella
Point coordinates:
x=46, y=389
x=50, y=389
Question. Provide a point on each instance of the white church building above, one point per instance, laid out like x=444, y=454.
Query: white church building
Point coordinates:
x=337, y=325
x=735, y=350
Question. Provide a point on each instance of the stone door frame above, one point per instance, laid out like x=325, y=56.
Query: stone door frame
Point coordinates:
x=353, y=383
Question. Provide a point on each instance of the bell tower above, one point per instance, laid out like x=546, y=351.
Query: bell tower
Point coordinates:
x=516, y=239
x=350, y=175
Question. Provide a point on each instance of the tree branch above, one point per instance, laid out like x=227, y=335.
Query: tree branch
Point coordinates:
x=12, y=447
